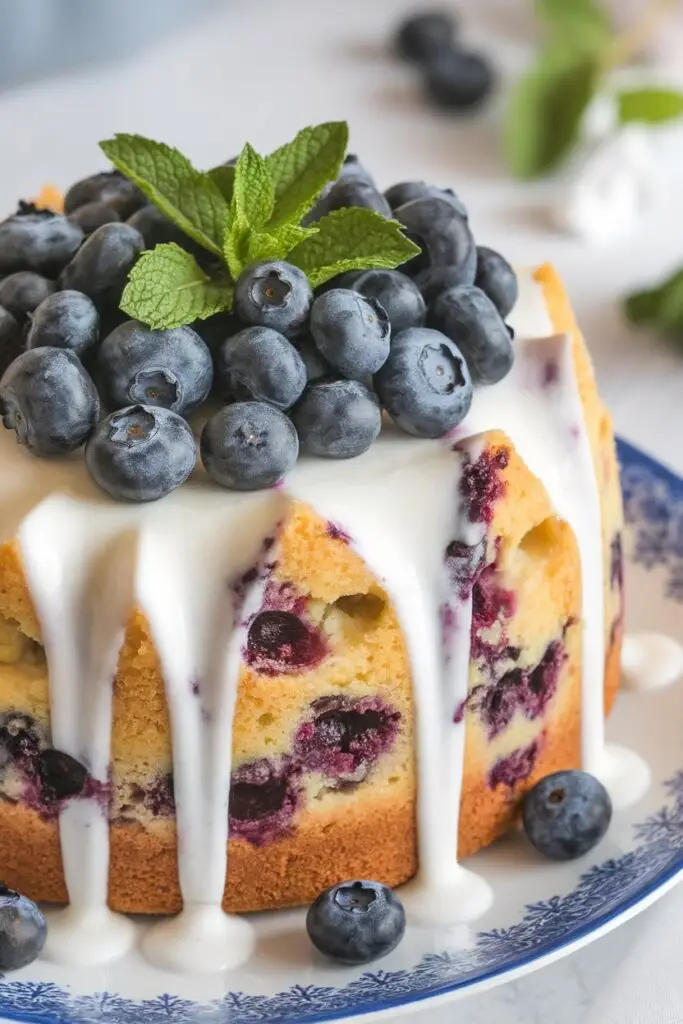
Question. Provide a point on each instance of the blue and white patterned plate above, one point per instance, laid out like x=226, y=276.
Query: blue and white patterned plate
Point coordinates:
x=542, y=911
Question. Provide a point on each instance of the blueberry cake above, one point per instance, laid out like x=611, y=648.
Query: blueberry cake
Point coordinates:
x=244, y=693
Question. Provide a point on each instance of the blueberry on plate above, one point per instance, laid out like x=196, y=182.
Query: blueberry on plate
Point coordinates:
x=141, y=453
x=458, y=80
x=49, y=400
x=442, y=233
x=405, y=191
x=470, y=319
x=106, y=187
x=349, y=192
x=421, y=36
x=425, y=384
x=93, y=215
x=435, y=280
x=356, y=922
x=351, y=332
x=37, y=240
x=566, y=814
x=259, y=364
x=397, y=294
x=101, y=266
x=22, y=930
x=337, y=419
x=496, y=278
x=273, y=294
x=65, y=320
x=20, y=293
x=171, y=369
x=248, y=446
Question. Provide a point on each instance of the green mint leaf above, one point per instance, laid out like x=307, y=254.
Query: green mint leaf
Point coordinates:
x=650, y=105
x=264, y=245
x=236, y=247
x=301, y=169
x=660, y=307
x=546, y=109
x=253, y=195
x=582, y=24
x=167, y=288
x=224, y=179
x=352, y=239
x=189, y=197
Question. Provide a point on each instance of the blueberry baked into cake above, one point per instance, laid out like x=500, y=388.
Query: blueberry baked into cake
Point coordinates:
x=310, y=558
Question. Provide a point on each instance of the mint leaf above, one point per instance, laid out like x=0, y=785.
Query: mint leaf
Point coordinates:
x=582, y=24
x=660, y=307
x=301, y=168
x=264, y=245
x=167, y=288
x=189, y=197
x=224, y=179
x=253, y=195
x=643, y=307
x=351, y=239
x=650, y=105
x=546, y=109
x=236, y=249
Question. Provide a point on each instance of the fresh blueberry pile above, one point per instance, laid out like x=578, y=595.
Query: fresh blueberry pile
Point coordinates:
x=455, y=78
x=290, y=369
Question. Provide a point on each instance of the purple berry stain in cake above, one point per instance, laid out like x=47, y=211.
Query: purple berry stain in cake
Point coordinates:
x=517, y=766
x=524, y=690
x=337, y=533
x=346, y=736
x=616, y=563
x=463, y=565
x=482, y=484
x=279, y=640
x=448, y=617
x=492, y=604
x=264, y=797
x=158, y=798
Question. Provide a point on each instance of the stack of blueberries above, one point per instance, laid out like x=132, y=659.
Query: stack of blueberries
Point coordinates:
x=287, y=370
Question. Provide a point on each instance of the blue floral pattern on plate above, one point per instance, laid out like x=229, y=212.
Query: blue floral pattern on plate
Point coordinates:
x=654, y=509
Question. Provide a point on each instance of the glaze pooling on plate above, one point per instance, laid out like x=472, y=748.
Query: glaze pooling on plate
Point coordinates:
x=398, y=504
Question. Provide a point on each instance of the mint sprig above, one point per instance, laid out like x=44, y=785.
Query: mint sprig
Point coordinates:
x=243, y=214
x=660, y=307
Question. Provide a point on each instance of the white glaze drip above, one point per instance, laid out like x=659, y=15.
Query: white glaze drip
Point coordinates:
x=397, y=502
x=650, y=661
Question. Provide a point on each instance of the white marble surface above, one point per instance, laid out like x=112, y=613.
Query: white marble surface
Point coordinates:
x=262, y=70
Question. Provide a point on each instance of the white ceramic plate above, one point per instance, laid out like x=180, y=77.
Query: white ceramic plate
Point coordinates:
x=542, y=910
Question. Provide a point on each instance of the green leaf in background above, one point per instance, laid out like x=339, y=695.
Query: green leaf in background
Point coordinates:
x=224, y=179
x=352, y=239
x=660, y=307
x=189, y=197
x=583, y=24
x=546, y=109
x=649, y=105
x=301, y=169
x=167, y=288
x=236, y=246
x=253, y=194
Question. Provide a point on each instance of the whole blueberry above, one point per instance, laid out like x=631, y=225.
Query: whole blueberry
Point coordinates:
x=352, y=168
x=349, y=192
x=93, y=215
x=566, y=814
x=442, y=233
x=273, y=294
x=496, y=278
x=356, y=922
x=405, y=191
x=156, y=228
x=67, y=319
x=259, y=364
x=49, y=400
x=425, y=384
x=248, y=446
x=216, y=329
x=141, y=453
x=470, y=319
x=421, y=36
x=22, y=930
x=458, y=80
x=106, y=187
x=435, y=280
x=41, y=241
x=20, y=293
x=171, y=369
x=337, y=419
x=101, y=266
x=351, y=332
x=397, y=295
x=316, y=366
x=10, y=339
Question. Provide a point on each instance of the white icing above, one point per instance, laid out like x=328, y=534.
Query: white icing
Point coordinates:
x=89, y=560
x=650, y=661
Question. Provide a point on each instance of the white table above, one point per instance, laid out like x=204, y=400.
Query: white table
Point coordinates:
x=260, y=71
